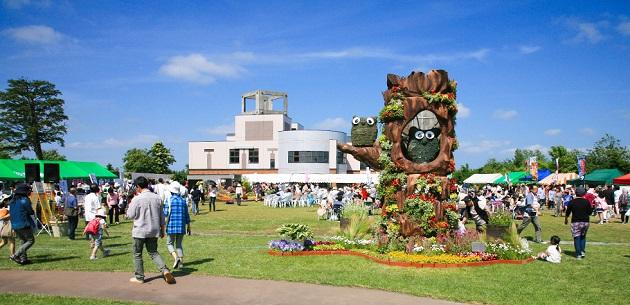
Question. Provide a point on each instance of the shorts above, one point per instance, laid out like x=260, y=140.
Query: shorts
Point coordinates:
x=97, y=239
x=579, y=228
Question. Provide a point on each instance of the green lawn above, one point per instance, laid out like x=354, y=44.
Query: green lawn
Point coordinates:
x=36, y=299
x=233, y=242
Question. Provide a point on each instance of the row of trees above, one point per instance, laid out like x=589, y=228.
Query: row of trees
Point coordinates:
x=607, y=152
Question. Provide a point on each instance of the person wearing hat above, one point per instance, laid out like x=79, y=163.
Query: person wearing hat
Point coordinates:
x=6, y=232
x=239, y=193
x=580, y=211
x=22, y=223
x=94, y=230
x=177, y=223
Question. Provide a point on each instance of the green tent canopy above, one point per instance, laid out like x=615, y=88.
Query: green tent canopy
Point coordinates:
x=515, y=177
x=14, y=169
x=598, y=176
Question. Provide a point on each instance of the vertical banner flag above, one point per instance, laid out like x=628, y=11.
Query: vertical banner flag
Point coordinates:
x=557, y=165
x=581, y=166
x=533, y=168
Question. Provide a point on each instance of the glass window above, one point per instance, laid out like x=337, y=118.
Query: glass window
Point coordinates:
x=341, y=157
x=234, y=156
x=308, y=157
x=253, y=155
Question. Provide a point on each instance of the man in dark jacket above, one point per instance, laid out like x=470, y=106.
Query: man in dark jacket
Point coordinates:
x=22, y=223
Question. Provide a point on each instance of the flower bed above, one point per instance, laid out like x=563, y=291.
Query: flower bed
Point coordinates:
x=388, y=260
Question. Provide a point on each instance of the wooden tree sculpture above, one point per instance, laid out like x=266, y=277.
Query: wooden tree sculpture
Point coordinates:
x=414, y=154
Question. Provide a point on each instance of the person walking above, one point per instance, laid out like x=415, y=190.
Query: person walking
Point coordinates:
x=112, y=203
x=71, y=210
x=239, y=193
x=92, y=203
x=6, y=232
x=196, y=197
x=624, y=206
x=531, y=214
x=146, y=212
x=177, y=224
x=22, y=223
x=580, y=211
x=213, y=198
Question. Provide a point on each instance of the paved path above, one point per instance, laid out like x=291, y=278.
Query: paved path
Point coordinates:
x=192, y=289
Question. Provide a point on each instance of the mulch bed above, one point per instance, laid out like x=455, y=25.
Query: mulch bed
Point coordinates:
x=398, y=263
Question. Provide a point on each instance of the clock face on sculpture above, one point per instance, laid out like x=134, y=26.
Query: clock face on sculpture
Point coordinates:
x=421, y=138
x=364, y=131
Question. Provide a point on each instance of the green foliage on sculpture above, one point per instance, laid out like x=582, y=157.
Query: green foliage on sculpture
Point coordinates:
x=364, y=131
x=421, y=138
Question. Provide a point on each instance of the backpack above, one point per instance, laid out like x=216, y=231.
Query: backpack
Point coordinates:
x=93, y=226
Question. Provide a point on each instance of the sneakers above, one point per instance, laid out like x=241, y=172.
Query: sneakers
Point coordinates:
x=93, y=258
x=17, y=260
x=135, y=280
x=168, y=277
x=176, y=263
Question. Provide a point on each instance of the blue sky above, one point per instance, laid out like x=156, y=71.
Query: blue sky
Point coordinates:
x=531, y=74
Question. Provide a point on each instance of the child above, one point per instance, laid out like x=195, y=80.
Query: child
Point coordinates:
x=6, y=234
x=552, y=254
x=94, y=230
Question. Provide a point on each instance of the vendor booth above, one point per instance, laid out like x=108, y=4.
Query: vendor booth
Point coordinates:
x=623, y=180
x=598, y=177
x=483, y=178
x=560, y=178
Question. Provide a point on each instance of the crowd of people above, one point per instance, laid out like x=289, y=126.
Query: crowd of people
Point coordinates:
x=161, y=209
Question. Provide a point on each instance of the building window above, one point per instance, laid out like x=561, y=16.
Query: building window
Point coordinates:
x=308, y=157
x=234, y=156
x=341, y=157
x=253, y=155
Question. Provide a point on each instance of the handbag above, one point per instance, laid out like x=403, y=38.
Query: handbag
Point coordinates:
x=70, y=212
x=6, y=230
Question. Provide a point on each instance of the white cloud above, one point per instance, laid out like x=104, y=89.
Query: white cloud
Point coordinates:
x=504, y=114
x=543, y=149
x=219, y=130
x=483, y=146
x=529, y=49
x=553, y=132
x=137, y=140
x=587, y=131
x=586, y=31
x=332, y=124
x=198, y=69
x=624, y=28
x=35, y=34
x=462, y=111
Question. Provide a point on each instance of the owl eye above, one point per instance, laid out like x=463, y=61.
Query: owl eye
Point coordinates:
x=356, y=120
x=370, y=121
x=430, y=135
x=419, y=134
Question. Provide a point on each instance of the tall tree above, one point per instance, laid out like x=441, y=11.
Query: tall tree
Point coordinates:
x=32, y=114
x=53, y=155
x=608, y=153
x=112, y=169
x=4, y=152
x=162, y=158
x=138, y=161
x=567, y=159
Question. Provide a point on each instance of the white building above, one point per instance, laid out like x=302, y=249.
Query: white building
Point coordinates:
x=267, y=141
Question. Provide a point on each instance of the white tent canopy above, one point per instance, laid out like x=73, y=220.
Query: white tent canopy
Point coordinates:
x=312, y=178
x=482, y=178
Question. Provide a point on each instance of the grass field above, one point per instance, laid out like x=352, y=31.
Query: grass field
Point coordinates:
x=35, y=299
x=233, y=242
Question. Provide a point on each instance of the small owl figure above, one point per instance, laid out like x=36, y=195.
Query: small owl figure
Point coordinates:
x=364, y=131
x=423, y=146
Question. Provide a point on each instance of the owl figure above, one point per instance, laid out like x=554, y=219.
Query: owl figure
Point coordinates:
x=421, y=138
x=364, y=131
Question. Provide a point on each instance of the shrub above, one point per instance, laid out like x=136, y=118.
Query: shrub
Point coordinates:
x=501, y=219
x=295, y=231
